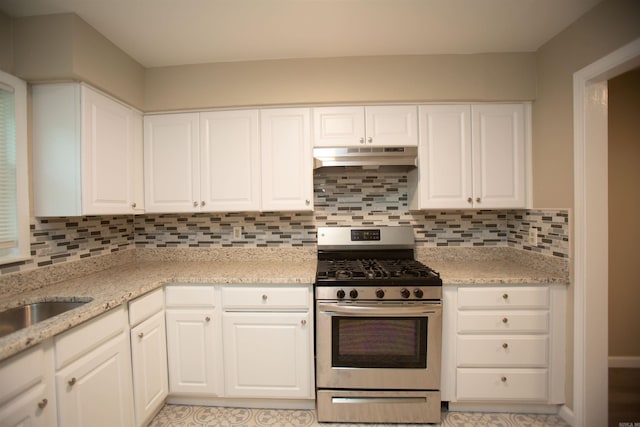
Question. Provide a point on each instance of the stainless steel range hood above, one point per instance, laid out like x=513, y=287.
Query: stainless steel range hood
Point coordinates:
x=366, y=157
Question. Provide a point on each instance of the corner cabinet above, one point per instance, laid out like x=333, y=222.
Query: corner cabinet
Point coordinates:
x=87, y=153
x=506, y=345
x=380, y=125
x=268, y=342
x=471, y=157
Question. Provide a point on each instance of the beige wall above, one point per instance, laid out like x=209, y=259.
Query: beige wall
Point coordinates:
x=336, y=80
x=64, y=47
x=624, y=205
x=608, y=26
x=6, y=44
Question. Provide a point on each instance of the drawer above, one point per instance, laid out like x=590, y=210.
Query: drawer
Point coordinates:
x=145, y=306
x=281, y=297
x=506, y=351
x=22, y=371
x=507, y=322
x=502, y=384
x=78, y=341
x=530, y=297
x=190, y=296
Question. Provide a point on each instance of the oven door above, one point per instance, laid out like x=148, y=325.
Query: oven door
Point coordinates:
x=385, y=345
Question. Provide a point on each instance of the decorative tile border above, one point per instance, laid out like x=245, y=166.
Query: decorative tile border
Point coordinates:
x=342, y=197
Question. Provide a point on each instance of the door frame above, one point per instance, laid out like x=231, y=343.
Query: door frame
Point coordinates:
x=590, y=143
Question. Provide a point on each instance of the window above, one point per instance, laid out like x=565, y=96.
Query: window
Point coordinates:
x=14, y=193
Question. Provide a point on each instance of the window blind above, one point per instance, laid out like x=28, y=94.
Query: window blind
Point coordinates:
x=8, y=196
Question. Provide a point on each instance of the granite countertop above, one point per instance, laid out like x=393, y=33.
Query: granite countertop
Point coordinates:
x=116, y=285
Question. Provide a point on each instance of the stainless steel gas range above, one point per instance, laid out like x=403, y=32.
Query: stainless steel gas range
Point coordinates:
x=378, y=328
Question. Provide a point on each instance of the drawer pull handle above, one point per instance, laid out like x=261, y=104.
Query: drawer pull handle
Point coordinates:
x=42, y=403
x=264, y=297
x=505, y=345
x=72, y=381
x=141, y=334
x=505, y=320
x=505, y=296
x=503, y=379
x=208, y=319
x=303, y=322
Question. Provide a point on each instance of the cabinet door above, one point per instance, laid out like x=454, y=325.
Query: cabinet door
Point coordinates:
x=445, y=179
x=171, y=163
x=230, y=161
x=107, y=155
x=287, y=162
x=96, y=389
x=149, y=365
x=394, y=125
x=31, y=408
x=338, y=126
x=194, y=354
x=268, y=355
x=498, y=156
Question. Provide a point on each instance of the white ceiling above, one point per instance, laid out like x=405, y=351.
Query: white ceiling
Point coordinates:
x=175, y=32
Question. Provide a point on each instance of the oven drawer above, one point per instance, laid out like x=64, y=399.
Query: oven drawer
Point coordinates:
x=282, y=297
x=506, y=351
x=526, y=297
x=516, y=322
x=502, y=384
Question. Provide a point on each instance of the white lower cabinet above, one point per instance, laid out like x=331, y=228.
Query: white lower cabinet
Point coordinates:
x=268, y=341
x=94, y=385
x=27, y=396
x=505, y=344
x=148, y=355
x=194, y=340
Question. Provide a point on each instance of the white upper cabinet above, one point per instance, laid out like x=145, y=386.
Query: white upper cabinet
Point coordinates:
x=498, y=155
x=394, y=125
x=229, y=161
x=287, y=163
x=86, y=153
x=171, y=163
x=470, y=156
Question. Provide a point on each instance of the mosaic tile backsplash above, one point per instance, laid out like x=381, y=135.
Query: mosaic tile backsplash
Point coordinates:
x=342, y=197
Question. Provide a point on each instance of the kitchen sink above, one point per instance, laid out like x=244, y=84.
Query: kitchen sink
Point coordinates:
x=20, y=317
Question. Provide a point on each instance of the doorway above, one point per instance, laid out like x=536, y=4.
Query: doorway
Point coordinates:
x=591, y=232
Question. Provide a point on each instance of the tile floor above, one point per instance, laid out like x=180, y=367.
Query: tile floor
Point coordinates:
x=195, y=416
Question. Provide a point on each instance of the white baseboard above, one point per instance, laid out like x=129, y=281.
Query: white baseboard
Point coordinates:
x=624, y=361
x=566, y=414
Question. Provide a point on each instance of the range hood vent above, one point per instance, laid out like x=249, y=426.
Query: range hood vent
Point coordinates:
x=366, y=157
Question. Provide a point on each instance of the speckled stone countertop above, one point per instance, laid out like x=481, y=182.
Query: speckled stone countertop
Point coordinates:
x=123, y=277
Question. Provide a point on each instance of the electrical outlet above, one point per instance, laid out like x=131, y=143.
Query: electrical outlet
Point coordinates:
x=533, y=236
x=237, y=232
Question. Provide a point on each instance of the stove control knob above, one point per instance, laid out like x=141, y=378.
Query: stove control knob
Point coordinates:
x=404, y=292
x=340, y=293
x=418, y=293
x=379, y=293
x=353, y=293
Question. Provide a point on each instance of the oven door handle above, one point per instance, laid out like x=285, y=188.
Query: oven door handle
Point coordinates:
x=390, y=309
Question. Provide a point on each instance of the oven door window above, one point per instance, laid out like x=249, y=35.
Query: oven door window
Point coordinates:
x=379, y=342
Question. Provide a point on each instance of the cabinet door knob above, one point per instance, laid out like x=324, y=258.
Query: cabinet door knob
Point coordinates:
x=141, y=334
x=42, y=403
x=303, y=322
x=469, y=200
x=133, y=205
x=503, y=379
x=361, y=140
x=208, y=319
x=370, y=140
x=505, y=320
x=505, y=296
x=72, y=381
x=195, y=204
x=478, y=199
x=505, y=345
x=264, y=297
x=202, y=203
x=307, y=202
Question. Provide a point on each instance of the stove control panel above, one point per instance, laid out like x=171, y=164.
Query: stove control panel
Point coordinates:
x=371, y=293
